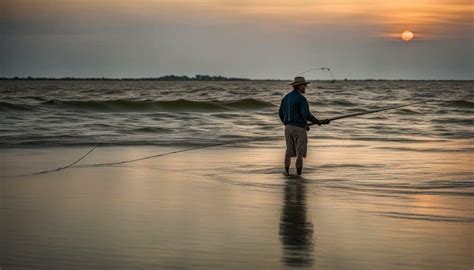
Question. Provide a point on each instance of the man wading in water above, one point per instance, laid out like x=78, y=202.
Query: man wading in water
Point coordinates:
x=294, y=114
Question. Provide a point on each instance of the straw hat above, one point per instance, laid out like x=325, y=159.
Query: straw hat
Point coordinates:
x=299, y=80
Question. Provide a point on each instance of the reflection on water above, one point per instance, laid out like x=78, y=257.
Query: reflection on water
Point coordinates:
x=360, y=206
x=296, y=232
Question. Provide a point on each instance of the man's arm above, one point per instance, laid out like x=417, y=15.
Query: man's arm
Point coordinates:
x=307, y=114
x=280, y=112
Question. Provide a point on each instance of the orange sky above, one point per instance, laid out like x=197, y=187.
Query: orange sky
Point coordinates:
x=362, y=39
x=428, y=19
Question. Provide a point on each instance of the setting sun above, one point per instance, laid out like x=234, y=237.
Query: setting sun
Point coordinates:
x=407, y=35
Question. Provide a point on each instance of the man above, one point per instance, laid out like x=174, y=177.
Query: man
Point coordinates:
x=295, y=114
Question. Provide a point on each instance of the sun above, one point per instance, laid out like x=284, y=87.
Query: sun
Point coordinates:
x=407, y=35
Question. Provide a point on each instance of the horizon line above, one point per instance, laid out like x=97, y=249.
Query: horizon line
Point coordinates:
x=211, y=78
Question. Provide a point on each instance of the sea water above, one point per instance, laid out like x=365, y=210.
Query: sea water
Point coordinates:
x=58, y=113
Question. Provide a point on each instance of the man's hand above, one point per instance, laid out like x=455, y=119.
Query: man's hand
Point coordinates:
x=320, y=122
x=325, y=122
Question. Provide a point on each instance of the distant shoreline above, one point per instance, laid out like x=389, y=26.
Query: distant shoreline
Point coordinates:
x=203, y=78
x=163, y=78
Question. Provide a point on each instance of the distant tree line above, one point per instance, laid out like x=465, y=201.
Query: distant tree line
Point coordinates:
x=198, y=78
x=163, y=78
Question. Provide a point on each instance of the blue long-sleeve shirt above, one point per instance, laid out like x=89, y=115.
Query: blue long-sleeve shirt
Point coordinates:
x=294, y=110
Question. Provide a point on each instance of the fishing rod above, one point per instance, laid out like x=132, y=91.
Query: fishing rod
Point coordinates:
x=372, y=111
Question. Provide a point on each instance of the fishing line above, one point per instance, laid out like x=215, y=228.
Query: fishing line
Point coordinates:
x=57, y=169
x=72, y=165
x=319, y=68
x=155, y=156
x=171, y=153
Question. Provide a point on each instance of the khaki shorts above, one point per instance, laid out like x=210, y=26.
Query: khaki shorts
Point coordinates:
x=296, y=141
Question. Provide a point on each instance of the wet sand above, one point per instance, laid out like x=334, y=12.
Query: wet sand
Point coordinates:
x=360, y=205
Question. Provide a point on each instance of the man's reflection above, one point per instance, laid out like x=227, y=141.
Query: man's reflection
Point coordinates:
x=296, y=233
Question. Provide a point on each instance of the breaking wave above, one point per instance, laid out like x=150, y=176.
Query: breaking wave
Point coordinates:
x=183, y=105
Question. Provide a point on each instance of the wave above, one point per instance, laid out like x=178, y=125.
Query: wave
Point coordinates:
x=150, y=130
x=426, y=185
x=179, y=105
x=427, y=217
x=428, y=150
x=342, y=103
x=464, y=104
x=401, y=190
x=453, y=120
x=407, y=111
x=5, y=106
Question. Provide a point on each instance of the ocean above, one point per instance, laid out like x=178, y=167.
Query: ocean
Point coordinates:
x=60, y=113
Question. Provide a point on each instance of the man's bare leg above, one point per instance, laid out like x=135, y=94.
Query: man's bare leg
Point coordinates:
x=299, y=164
x=287, y=163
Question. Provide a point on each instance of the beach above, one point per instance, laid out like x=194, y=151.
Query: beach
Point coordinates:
x=360, y=205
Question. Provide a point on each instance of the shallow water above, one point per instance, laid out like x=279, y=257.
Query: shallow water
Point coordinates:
x=360, y=205
x=386, y=191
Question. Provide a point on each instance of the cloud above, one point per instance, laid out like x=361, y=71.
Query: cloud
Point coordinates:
x=257, y=39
